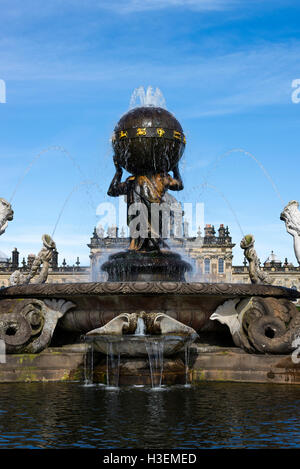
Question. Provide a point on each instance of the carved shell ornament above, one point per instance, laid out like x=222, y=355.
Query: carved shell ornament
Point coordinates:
x=261, y=325
x=30, y=327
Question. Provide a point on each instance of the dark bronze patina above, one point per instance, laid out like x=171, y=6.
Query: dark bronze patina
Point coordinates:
x=148, y=142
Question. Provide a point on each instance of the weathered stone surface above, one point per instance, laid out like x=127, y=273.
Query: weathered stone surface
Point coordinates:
x=36, y=275
x=231, y=364
x=206, y=364
x=135, y=371
x=27, y=326
x=154, y=323
x=69, y=290
x=139, y=346
x=264, y=325
x=6, y=214
x=53, y=364
x=255, y=273
x=121, y=335
x=291, y=216
x=98, y=303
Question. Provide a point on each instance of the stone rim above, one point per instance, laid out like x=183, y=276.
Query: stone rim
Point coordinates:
x=135, y=288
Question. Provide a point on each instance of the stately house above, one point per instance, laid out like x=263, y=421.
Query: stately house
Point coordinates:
x=209, y=253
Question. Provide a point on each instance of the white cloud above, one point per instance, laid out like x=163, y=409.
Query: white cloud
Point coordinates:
x=219, y=83
x=132, y=6
x=14, y=9
x=223, y=84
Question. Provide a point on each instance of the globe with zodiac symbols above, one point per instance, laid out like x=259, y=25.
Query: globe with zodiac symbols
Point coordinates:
x=148, y=139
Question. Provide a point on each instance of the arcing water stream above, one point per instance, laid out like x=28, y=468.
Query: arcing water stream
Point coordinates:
x=74, y=189
x=37, y=157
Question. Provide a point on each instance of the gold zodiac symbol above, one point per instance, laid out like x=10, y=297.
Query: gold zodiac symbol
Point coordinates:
x=123, y=133
x=177, y=135
x=160, y=132
x=141, y=132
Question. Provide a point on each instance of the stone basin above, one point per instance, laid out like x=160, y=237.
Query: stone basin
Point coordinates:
x=138, y=345
x=96, y=303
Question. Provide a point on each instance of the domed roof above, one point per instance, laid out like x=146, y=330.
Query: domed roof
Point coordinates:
x=273, y=258
x=3, y=257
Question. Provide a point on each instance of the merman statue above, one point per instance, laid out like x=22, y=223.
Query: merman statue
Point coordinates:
x=37, y=274
x=255, y=273
x=6, y=214
x=291, y=216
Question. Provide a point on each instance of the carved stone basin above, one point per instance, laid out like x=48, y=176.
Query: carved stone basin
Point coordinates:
x=143, y=334
x=95, y=304
x=138, y=346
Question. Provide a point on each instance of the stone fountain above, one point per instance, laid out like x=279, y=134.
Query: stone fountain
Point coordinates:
x=147, y=281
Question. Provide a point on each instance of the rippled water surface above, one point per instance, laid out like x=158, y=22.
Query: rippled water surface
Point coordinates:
x=211, y=415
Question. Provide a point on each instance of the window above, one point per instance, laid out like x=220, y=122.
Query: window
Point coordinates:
x=221, y=266
x=206, y=266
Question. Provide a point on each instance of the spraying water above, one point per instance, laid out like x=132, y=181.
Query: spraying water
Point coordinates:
x=89, y=365
x=112, y=367
x=261, y=166
x=37, y=157
x=187, y=348
x=140, y=327
x=155, y=350
x=150, y=97
x=205, y=185
x=210, y=186
x=74, y=189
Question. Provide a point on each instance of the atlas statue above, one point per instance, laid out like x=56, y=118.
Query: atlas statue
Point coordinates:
x=148, y=143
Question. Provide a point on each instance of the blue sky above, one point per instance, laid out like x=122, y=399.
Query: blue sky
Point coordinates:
x=225, y=69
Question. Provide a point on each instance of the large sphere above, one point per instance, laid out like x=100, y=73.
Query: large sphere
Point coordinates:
x=148, y=140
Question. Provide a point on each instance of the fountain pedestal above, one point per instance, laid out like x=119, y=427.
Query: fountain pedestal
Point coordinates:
x=132, y=266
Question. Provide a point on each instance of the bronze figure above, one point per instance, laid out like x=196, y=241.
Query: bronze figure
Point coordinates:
x=145, y=189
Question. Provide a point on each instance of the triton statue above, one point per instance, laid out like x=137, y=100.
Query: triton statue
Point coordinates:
x=6, y=214
x=291, y=216
x=36, y=275
x=255, y=273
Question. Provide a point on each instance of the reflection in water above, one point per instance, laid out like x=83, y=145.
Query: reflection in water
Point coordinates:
x=211, y=415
